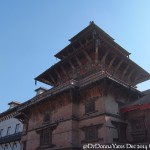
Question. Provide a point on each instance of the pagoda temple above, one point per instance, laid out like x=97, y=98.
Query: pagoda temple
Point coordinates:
x=92, y=82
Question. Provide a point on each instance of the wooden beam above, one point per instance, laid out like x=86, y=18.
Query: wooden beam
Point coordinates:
x=96, y=50
x=104, y=57
x=52, y=79
x=125, y=70
x=136, y=79
x=87, y=56
x=111, y=62
x=74, y=49
x=63, y=70
x=78, y=61
x=71, y=64
x=86, y=40
x=118, y=66
x=84, y=50
x=130, y=74
x=57, y=74
x=85, y=44
x=81, y=45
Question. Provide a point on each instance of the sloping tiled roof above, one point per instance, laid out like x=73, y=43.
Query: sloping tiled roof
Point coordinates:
x=143, y=100
x=140, y=104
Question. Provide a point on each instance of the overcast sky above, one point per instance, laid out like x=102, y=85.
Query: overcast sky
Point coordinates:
x=32, y=31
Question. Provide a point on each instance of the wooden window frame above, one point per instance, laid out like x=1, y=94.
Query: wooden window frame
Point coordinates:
x=90, y=106
x=91, y=133
x=46, y=137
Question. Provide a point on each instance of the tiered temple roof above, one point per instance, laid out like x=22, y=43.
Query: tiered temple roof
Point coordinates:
x=93, y=51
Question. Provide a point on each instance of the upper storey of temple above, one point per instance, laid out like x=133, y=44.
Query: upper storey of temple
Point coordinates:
x=90, y=52
x=90, y=32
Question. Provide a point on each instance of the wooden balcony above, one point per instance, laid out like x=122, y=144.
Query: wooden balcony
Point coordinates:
x=11, y=138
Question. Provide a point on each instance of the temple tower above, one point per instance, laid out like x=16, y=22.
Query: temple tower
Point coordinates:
x=92, y=81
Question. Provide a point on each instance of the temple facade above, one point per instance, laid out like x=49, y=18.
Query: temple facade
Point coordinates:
x=91, y=85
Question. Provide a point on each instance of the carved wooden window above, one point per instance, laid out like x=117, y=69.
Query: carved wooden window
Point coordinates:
x=91, y=133
x=46, y=137
x=90, y=106
x=46, y=117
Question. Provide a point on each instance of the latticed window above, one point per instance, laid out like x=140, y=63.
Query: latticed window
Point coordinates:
x=46, y=137
x=91, y=133
x=89, y=106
